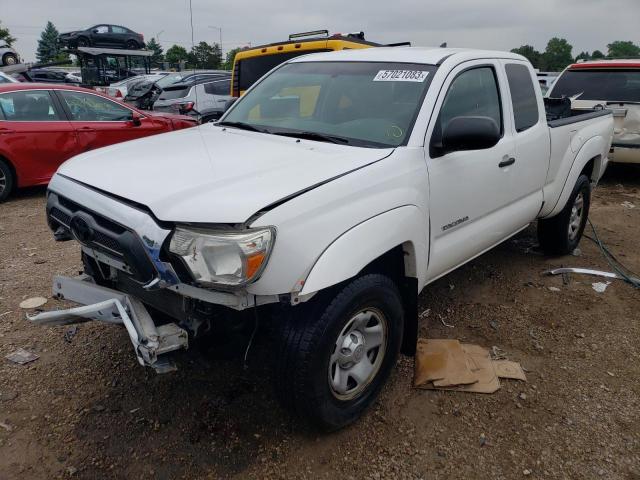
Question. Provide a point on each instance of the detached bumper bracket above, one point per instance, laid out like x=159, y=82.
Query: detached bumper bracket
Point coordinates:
x=106, y=305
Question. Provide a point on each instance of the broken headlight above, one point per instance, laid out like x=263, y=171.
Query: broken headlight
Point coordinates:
x=223, y=258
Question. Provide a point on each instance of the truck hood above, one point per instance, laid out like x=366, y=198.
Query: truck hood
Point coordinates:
x=209, y=174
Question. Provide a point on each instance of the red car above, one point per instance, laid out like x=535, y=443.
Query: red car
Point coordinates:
x=41, y=126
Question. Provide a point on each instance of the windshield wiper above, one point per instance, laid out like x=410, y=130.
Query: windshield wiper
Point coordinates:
x=243, y=126
x=322, y=137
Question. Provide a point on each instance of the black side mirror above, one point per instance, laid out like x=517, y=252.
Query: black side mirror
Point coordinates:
x=95, y=30
x=469, y=133
x=228, y=103
x=134, y=120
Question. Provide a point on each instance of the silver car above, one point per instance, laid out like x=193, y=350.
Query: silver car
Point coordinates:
x=205, y=101
x=8, y=55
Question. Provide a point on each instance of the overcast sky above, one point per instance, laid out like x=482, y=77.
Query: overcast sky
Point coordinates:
x=493, y=24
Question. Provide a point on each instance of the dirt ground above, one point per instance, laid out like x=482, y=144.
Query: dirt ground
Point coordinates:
x=85, y=409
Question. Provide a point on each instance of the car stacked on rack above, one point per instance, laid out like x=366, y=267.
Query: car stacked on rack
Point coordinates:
x=103, y=35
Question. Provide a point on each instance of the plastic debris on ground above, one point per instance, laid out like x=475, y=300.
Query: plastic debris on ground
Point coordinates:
x=443, y=364
x=33, y=302
x=628, y=204
x=21, y=356
x=600, y=287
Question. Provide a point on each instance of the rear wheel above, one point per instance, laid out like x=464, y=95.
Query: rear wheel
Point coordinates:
x=336, y=355
x=131, y=45
x=9, y=59
x=560, y=235
x=7, y=180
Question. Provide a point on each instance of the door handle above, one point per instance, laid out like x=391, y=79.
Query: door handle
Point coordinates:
x=86, y=129
x=506, y=163
x=4, y=131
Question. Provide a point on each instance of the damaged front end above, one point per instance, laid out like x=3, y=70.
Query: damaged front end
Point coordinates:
x=131, y=277
x=151, y=343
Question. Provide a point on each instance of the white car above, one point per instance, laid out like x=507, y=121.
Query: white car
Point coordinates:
x=321, y=204
x=120, y=89
x=612, y=84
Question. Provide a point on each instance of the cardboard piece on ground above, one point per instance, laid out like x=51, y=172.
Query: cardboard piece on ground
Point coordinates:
x=21, y=356
x=484, y=372
x=507, y=369
x=443, y=362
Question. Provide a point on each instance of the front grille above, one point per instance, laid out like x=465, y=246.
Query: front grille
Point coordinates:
x=104, y=235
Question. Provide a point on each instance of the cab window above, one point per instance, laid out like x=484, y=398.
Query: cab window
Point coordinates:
x=473, y=93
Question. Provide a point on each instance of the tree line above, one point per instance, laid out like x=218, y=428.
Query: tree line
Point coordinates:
x=558, y=53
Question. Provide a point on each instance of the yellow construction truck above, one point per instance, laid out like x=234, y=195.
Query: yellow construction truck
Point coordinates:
x=252, y=63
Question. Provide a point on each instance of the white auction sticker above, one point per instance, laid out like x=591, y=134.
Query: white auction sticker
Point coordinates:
x=401, y=76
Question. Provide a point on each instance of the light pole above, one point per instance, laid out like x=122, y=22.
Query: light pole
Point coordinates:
x=213, y=27
x=158, y=36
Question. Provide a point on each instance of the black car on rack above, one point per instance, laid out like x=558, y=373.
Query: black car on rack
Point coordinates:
x=104, y=35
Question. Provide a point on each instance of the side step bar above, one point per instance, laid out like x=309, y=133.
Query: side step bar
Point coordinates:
x=106, y=305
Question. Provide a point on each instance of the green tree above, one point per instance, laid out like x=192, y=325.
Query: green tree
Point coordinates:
x=530, y=54
x=204, y=55
x=175, y=54
x=583, y=56
x=557, y=55
x=622, y=49
x=157, y=58
x=5, y=36
x=597, y=54
x=229, y=57
x=48, y=47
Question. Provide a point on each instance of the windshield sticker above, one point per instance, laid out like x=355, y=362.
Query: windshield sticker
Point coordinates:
x=401, y=76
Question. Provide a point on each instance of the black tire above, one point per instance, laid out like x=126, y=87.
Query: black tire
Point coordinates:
x=7, y=180
x=9, y=59
x=83, y=42
x=308, y=342
x=131, y=45
x=554, y=233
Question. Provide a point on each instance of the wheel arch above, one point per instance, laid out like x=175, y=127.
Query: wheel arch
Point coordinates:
x=588, y=161
x=393, y=243
x=12, y=167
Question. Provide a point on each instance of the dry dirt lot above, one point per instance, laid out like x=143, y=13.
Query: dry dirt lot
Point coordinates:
x=86, y=409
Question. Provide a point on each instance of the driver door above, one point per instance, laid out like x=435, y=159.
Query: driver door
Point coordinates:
x=100, y=36
x=469, y=190
x=99, y=122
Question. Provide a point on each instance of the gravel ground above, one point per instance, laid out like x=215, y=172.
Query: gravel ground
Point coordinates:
x=85, y=409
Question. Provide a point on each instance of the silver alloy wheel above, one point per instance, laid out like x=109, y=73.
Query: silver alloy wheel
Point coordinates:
x=3, y=182
x=11, y=60
x=358, y=354
x=575, y=220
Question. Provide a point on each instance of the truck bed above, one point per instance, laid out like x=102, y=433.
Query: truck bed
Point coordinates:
x=559, y=112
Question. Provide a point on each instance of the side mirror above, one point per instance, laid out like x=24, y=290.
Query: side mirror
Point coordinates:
x=95, y=30
x=134, y=120
x=469, y=133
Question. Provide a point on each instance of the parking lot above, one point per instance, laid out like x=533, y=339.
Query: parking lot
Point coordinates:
x=86, y=409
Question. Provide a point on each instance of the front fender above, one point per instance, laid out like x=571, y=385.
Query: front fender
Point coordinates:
x=359, y=246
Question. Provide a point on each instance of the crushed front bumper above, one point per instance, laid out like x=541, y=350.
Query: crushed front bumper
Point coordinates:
x=151, y=343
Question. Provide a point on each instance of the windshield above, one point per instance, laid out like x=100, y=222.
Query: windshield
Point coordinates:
x=603, y=85
x=371, y=104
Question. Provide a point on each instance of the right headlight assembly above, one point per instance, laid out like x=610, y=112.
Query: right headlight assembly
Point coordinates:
x=223, y=258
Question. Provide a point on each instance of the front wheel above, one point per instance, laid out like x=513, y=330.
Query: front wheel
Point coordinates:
x=83, y=42
x=560, y=235
x=336, y=354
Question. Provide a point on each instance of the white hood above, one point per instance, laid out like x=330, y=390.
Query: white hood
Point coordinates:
x=208, y=174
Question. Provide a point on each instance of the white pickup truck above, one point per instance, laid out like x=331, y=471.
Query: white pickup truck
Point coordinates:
x=323, y=202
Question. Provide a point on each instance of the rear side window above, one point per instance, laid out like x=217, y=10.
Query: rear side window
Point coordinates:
x=523, y=97
x=28, y=106
x=174, y=92
x=218, y=88
x=115, y=29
